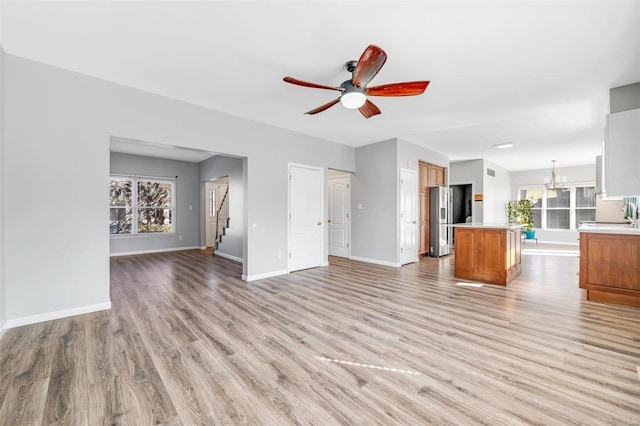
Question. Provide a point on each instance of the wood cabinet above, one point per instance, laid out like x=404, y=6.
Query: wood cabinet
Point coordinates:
x=492, y=255
x=428, y=175
x=610, y=267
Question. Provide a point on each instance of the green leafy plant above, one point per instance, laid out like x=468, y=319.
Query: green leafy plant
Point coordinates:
x=521, y=212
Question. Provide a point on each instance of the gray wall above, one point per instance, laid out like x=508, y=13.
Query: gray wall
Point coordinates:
x=409, y=154
x=217, y=167
x=624, y=98
x=497, y=193
x=3, y=315
x=57, y=130
x=575, y=174
x=375, y=187
x=187, y=203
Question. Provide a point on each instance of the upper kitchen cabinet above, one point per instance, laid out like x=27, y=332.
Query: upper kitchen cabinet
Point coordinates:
x=622, y=154
x=622, y=143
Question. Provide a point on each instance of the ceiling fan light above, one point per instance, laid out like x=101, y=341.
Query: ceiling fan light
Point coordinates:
x=353, y=100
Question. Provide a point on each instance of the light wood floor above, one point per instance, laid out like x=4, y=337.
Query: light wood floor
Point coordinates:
x=351, y=343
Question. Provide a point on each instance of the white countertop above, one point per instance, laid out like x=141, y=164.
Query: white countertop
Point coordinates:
x=609, y=228
x=487, y=225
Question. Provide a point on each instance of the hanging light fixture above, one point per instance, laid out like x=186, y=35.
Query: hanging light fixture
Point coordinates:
x=556, y=182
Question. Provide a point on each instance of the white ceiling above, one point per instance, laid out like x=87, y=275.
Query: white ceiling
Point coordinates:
x=534, y=73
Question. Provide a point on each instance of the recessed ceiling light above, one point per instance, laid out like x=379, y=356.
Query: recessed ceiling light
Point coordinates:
x=503, y=145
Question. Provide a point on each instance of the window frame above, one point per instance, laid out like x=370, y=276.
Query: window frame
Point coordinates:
x=573, y=226
x=570, y=209
x=125, y=207
x=575, y=202
x=135, y=232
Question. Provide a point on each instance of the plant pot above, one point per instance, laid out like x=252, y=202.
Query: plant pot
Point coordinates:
x=530, y=235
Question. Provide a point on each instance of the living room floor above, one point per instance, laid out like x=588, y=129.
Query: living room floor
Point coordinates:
x=187, y=342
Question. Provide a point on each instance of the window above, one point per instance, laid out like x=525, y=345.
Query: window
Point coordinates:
x=558, y=209
x=562, y=209
x=585, y=204
x=120, y=215
x=141, y=205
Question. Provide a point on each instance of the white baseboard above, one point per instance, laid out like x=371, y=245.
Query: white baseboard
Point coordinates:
x=129, y=253
x=552, y=242
x=325, y=263
x=375, y=261
x=18, y=322
x=263, y=276
x=3, y=328
x=228, y=256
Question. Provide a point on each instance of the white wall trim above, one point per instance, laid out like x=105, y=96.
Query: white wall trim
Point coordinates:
x=128, y=253
x=18, y=322
x=228, y=256
x=3, y=328
x=263, y=276
x=376, y=262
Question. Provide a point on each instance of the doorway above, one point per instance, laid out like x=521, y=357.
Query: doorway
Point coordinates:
x=215, y=191
x=461, y=205
x=306, y=217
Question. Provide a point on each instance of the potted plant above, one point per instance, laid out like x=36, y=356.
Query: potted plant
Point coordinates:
x=521, y=211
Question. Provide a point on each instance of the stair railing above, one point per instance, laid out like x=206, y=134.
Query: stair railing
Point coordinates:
x=223, y=205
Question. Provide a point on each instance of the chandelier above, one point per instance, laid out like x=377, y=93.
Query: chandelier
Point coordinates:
x=556, y=182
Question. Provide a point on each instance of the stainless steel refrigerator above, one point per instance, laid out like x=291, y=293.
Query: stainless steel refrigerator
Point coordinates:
x=439, y=218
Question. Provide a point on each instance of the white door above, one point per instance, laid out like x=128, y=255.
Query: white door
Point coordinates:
x=408, y=216
x=306, y=215
x=210, y=213
x=339, y=202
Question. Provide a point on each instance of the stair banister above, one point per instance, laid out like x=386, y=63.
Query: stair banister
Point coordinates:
x=222, y=204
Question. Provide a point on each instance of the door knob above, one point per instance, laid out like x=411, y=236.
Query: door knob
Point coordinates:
x=414, y=222
x=328, y=220
x=319, y=223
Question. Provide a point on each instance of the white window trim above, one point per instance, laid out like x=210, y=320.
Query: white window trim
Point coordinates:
x=134, y=206
x=571, y=186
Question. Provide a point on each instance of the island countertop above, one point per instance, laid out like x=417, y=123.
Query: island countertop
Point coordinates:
x=509, y=226
x=609, y=228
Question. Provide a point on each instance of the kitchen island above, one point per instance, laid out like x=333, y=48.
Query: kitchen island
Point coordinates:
x=610, y=263
x=488, y=253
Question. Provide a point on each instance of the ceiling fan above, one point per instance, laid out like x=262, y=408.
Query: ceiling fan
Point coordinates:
x=354, y=92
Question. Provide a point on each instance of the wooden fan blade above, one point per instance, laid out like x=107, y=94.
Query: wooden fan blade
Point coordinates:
x=409, y=88
x=369, y=109
x=323, y=107
x=307, y=84
x=372, y=59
